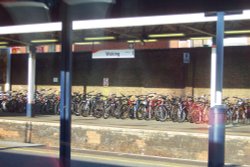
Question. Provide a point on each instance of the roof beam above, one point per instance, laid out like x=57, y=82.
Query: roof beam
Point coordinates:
x=198, y=30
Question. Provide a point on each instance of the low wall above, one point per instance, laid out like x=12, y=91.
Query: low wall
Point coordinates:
x=138, y=141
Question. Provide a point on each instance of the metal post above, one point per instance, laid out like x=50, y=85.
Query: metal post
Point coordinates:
x=219, y=56
x=65, y=81
x=213, y=75
x=217, y=114
x=31, y=81
x=8, y=70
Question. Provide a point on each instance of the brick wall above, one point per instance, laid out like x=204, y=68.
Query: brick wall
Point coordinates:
x=3, y=59
x=160, y=71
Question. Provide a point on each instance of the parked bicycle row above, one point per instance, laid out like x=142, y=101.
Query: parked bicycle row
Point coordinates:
x=147, y=107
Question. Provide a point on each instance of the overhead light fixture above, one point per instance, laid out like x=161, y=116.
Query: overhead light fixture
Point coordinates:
x=3, y=47
x=145, y=40
x=122, y=22
x=99, y=38
x=3, y=43
x=87, y=43
x=31, y=28
x=155, y=20
x=237, y=32
x=44, y=41
x=166, y=35
x=200, y=38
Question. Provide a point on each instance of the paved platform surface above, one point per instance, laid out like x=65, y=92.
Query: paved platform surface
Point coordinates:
x=231, y=129
x=165, y=139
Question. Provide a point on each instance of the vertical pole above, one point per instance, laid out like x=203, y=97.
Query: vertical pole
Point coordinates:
x=31, y=81
x=216, y=150
x=8, y=70
x=219, y=57
x=65, y=82
x=34, y=73
x=213, y=74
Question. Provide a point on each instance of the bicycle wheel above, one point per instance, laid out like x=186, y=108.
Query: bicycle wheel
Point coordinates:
x=98, y=113
x=57, y=108
x=117, y=112
x=43, y=108
x=205, y=116
x=181, y=115
x=140, y=113
x=107, y=112
x=125, y=111
x=235, y=116
x=11, y=105
x=49, y=107
x=84, y=109
x=174, y=114
x=161, y=113
x=21, y=107
x=74, y=109
x=4, y=107
x=98, y=110
x=189, y=117
x=195, y=116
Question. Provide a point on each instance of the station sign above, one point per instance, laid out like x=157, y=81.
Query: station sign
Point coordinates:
x=186, y=58
x=114, y=54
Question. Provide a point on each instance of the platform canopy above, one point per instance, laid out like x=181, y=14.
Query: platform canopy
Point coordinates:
x=127, y=9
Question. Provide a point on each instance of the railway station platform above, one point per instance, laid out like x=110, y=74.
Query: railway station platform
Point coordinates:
x=164, y=139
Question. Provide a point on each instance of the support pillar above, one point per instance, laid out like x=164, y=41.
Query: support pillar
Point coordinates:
x=66, y=71
x=31, y=81
x=216, y=150
x=213, y=75
x=8, y=71
x=65, y=82
x=219, y=57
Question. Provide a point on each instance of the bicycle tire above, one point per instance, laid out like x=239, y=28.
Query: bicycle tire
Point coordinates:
x=140, y=113
x=98, y=109
x=106, y=113
x=125, y=111
x=57, y=108
x=181, y=115
x=117, y=112
x=174, y=114
x=195, y=116
x=161, y=113
x=84, y=109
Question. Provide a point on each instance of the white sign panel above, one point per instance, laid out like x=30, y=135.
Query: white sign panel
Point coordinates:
x=114, y=54
x=105, y=81
x=55, y=79
x=186, y=57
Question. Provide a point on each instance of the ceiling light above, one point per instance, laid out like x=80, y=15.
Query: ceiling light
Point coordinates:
x=121, y=22
x=145, y=40
x=4, y=43
x=99, y=38
x=87, y=43
x=166, y=35
x=44, y=41
x=237, y=32
x=154, y=20
x=3, y=47
x=200, y=38
x=31, y=28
